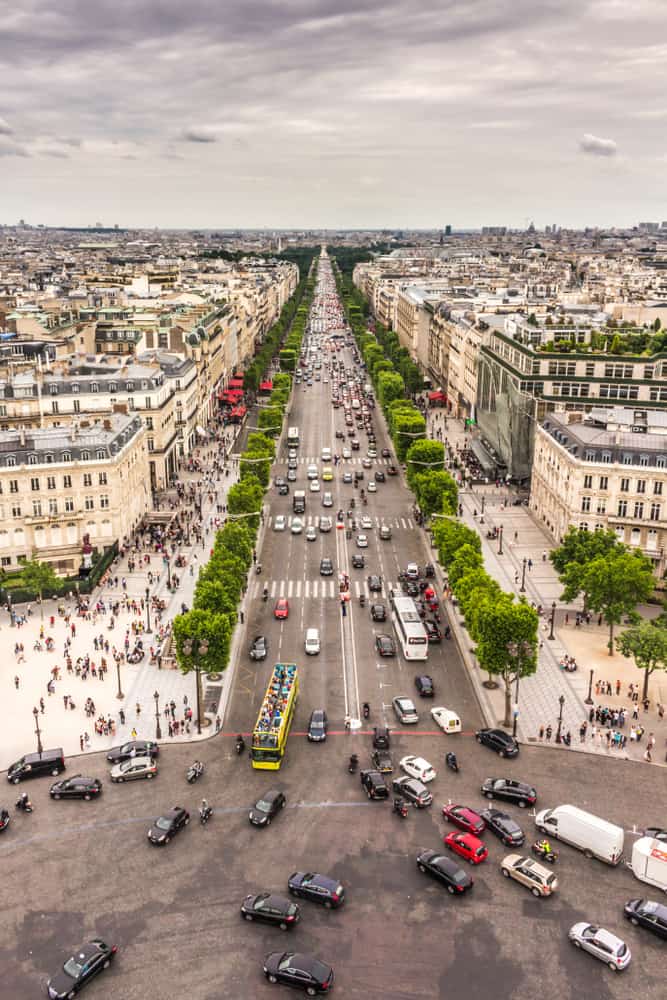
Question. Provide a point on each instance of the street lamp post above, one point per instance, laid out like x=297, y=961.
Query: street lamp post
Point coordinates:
x=589, y=699
x=500, y=540
x=38, y=733
x=553, y=619
x=196, y=653
x=167, y=560
x=148, y=611
x=158, y=731
x=522, y=588
x=119, y=692
x=516, y=707
x=518, y=650
x=561, y=702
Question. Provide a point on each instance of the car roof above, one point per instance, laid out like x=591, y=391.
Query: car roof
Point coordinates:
x=606, y=937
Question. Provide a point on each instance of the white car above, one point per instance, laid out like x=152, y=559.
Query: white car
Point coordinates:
x=297, y=526
x=314, y=486
x=325, y=524
x=327, y=500
x=280, y=523
x=136, y=767
x=362, y=542
x=347, y=453
x=602, y=944
x=366, y=522
x=311, y=534
x=372, y=487
x=418, y=768
x=412, y=571
x=312, y=472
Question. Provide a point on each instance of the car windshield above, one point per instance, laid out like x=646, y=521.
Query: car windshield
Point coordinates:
x=164, y=823
x=263, y=806
x=72, y=968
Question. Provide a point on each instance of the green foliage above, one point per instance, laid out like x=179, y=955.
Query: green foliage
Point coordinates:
x=504, y=627
x=616, y=584
x=287, y=360
x=646, y=643
x=436, y=492
x=466, y=560
x=270, y=419
x=449, y=535
x=39, y=577
x=245, y=497
x=407, y=428
x=198, y=625
x=390, y=387
x=616, y=345
x=577, y=549
x=424, y=456
x=261, y=443
x=257, y=464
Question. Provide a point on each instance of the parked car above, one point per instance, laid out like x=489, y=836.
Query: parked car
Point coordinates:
x=318, y=726
x=91, y=959
x=467, y=846
x=131, y=770
x=517, y=792
x=258, y=648
x=76, y=787
x=329, y=892
x=445, y=870
x=168, y=825
x=465, y=818
x=300, y=970
x=404, y=710
x=503, y=827
x=413, y=790
x=374, y=784
x=536, y=877
x=267, y=807
x=271, y=909
x=498, y=740
x=601, y=944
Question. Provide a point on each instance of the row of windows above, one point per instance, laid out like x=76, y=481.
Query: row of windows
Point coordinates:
x=626, y=459
x=638, y=510
x=640, y=484
x=95, y=387
x=635, y=534
x=39, y=507
x=51, y=484
x=48, y=458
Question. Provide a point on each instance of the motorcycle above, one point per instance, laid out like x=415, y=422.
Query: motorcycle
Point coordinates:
x=258, y=568
x=400, y=808
x=240, y=744
x=362, y=600
x=195, y=771
x=365, y=501
x=448, y=632
x=366, y=710
x=550, y=856
x=353, y=764
x=205, y=813
x=24, y=804
x=265, y=594
x=451, y=762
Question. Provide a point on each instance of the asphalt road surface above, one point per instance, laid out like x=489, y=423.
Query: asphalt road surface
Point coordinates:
x=74, y=870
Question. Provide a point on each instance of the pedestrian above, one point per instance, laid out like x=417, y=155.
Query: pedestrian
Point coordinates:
x=81, y=743
x=516, y=577
x=41, y=705
x=218, y=723
x=171, y=728
x=133, y=733
x=348, y=723
x=541, y=732
x=567, y=617
x=241, y=617
x=185, y=700
x=530, y=564
x=549, y=731
x=16, y=682
x=121, y=716
x=544, y=556
x=647, y=756
x=138, y=709
x=618, y=688
x=661, y=711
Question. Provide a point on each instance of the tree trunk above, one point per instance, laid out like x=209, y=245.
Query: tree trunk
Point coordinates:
x=507, y=721
x=611, y=638
x=647, y=673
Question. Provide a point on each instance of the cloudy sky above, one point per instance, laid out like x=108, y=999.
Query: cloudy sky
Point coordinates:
x=333, y=112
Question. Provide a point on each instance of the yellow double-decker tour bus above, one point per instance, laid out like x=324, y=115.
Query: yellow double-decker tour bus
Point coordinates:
x=269, y=737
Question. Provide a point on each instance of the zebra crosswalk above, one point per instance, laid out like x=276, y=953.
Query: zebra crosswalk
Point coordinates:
x=357, y=459
x=322, y=588
x=313, y=520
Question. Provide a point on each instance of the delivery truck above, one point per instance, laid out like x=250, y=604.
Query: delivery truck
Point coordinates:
x=596, y=837
x=649, y=862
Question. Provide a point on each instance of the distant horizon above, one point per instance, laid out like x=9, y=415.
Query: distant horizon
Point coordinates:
x=539, y=229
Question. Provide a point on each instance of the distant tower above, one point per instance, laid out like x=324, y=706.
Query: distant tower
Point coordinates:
x=280, y=244
x=448, y=230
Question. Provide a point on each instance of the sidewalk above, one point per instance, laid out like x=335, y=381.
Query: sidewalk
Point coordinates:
x=62, y=726
x=539, y=695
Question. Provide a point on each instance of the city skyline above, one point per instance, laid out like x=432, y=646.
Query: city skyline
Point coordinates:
x=325, y=116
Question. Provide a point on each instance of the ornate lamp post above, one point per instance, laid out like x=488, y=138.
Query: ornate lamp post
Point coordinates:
x=500, y=540
x=561, y=702
x=148, y=611
x=38, y=733
x=553, y=620
x=197, y=653
x=158, y=730
x=518, y=650
x=589, y=699
x=522, y=588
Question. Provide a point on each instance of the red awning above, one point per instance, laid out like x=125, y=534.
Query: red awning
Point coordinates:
x=232, y=394
x=235, y=383
x=266, y=386
x=239, y=375
x=438, y=394
x=238, y=411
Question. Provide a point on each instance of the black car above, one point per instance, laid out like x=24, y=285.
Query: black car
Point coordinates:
x=326, y=567
x=168, y=825
x=385, y=645
x=80, y=968
x=413, y=790
x=645, y=913
x=374, y=784
x=259, y=648
x=410, y=587
x=317, y=888
x=271, y=909
x=378, y=613
x=504, y=827
x=379, y=476
x=498, y=740
x=381, y=738
x=283, y=489
x=424, y=685
x=358, y=561
x=445, y=870
x=385, y=453
x=374, y=583
x=432, y=631
x=318, y=726
x=76, y=787
x=267, y=807
x=303, y=971
x=382, y=762
x=511, y=791
x=134, y=748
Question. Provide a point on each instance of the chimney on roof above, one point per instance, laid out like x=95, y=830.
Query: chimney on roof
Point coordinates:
x=106, y=423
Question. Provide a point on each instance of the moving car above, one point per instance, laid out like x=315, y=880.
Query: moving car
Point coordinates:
x=375, y=583
x=467, y=846
x=382, y=762
x=465, y=818
x=291, y=475
x=424, y=685
x=311, y=534
x=259, y=648
x=504, y=827
x=412, y=571
x=318, y=726
x=378, y=612
x=379, y=476
x=655, y=833
x=445, y=870
x=385, y=645
x=447, y=719
x=645, y=913
x=601, y=944
x=327, y=500
x=76, y=787
x=404, y=710
x=362, y=541
x=300, y=970
x=413, y=790
x=432, y=631
x=533, y=875
x=385, y=453
x=381, y=738
x=296, y=526
x=498, y=740
x=372, y=488
x=131, y=770
x=325, y=524
x=317, y=888
x=385, y=532
x=168, y=825
x=270, y=909
x=314, y=486
x=281, y=610
x=374, y=784
x=517, y=792
x=279, y=522
x=312, y=641
x=267, y=807
x=133, y=748
x=366, y=522
x=79, y=969
x=418, y=768
x=326, y=566
x=347, y=477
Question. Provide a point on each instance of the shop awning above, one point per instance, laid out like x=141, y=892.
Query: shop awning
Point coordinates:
x=238, y=411
x=437, y=395
x=266, y=386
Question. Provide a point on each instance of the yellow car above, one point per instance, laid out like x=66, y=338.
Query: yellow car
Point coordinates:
x=327, y=473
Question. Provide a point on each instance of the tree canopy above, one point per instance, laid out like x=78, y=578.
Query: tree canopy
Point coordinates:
x=615, y=584
x=646, y=643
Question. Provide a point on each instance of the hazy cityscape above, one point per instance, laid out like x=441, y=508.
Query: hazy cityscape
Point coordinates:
x=333, y=443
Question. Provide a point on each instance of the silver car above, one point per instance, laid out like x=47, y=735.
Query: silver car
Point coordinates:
x=602, y=944
x=136, y=767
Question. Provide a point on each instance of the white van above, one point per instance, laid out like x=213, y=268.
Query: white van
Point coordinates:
x=649, y=862
x=312, y=472
x=326, y=454
x=312, y=643
x=596, y=837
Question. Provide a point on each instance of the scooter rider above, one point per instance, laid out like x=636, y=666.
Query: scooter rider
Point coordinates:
x=544, y=846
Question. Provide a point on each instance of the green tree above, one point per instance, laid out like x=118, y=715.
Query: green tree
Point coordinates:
x=287, y=360
x=390, y=386
x=261, y=443
x=258, y=464
x=507, y=644
x=408, y=428
x=194, y=628
x=616, y=584
x=235, y=538
x=270, y=419
x=39, y=577
x=245, y=497
x=472, y=590
x=424, y=456
x=575, y=553
x=212, y=595
x=449, y=535
x=657, y=324
x=466, y=560
x=646, y=643
x=436, y=492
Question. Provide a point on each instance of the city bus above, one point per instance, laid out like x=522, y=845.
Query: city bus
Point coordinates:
x=409, y=628
x=293, y=437
x=269, y=737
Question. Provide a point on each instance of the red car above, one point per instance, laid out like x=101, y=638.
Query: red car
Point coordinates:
x=466, y=819
x=281, y=610
x=469, y=847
